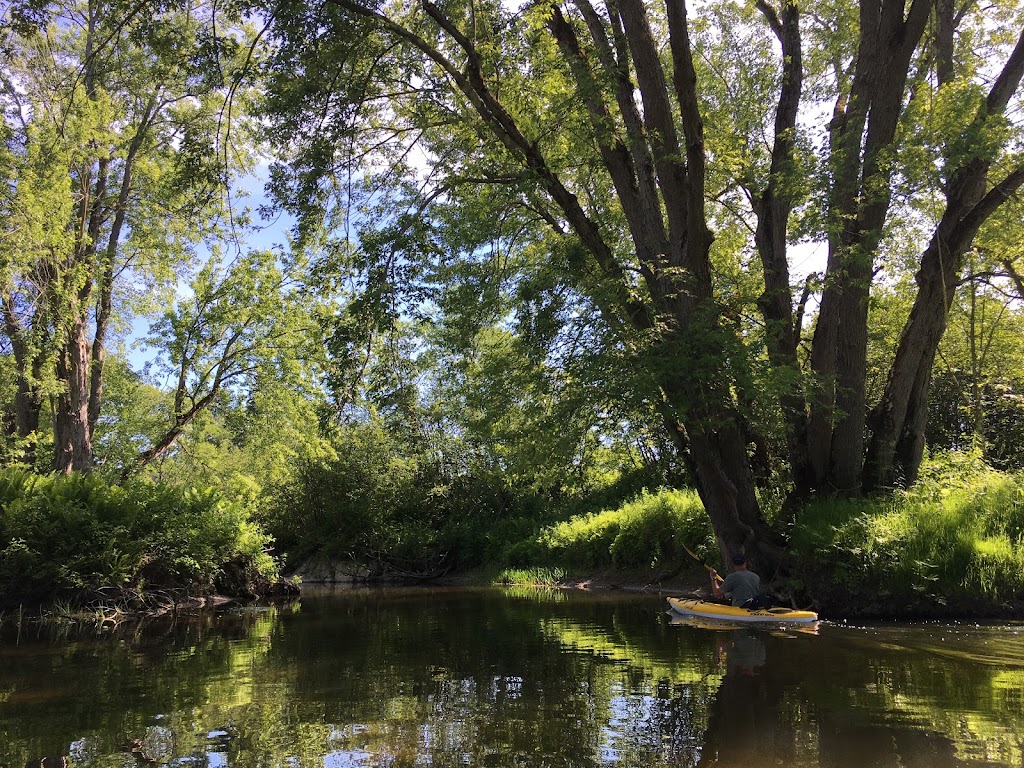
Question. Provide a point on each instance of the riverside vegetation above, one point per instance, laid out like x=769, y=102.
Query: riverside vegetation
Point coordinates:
x=428, y=288
x=950, y=546
x=78, y=540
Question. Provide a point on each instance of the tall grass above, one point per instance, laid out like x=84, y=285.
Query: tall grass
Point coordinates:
x=956, y=536
x=538, y=576
x=650, y=531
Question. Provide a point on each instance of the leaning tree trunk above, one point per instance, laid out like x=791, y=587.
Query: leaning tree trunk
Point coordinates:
x=898, y=422
x=722, y=476
x=106, y=276
x=862, y=131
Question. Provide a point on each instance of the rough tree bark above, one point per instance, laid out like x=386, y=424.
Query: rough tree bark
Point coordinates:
x=72, y=435
x=772, y=208
x=898, y=422
x=863, y=126
x=81, y=360
x=29, y=361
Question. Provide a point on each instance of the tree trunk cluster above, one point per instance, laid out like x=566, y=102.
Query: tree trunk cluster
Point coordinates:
x=639, y=87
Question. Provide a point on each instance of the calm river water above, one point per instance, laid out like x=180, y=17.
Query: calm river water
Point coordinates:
x=451, y=677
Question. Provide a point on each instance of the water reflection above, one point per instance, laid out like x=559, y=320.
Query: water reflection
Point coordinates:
x=742, y=651
x=482, y=678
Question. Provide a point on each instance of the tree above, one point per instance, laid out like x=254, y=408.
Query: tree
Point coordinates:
x=244, y=320
x=975, y=401
x=115, y=152
x=591, y=122
x=652, y=164
x=979, y=173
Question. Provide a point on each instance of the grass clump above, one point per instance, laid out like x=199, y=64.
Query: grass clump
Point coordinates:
x=538, y=576
x=649, y=531
x=954, y=538
x=65, y=535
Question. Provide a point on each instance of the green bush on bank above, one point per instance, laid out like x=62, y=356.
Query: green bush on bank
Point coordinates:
x=60, y=535
x=650, y=531
x=397, y=509
x=955, y=536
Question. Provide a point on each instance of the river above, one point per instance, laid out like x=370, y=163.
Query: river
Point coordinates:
x=491, y=677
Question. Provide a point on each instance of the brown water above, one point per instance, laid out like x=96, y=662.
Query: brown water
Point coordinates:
x=506, y=678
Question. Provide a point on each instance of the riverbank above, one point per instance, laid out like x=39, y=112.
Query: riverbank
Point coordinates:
x=76, y=543
x=692, y=583
x=112, y=607
x=950, y=548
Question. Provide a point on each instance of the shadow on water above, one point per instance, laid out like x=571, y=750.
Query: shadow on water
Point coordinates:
x=412, y=677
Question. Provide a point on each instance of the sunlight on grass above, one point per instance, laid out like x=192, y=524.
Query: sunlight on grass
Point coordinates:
x=648, y=532
x=530, y=577
x=955, y=535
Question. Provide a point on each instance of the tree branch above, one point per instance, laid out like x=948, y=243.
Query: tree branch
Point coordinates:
x=1008, y=81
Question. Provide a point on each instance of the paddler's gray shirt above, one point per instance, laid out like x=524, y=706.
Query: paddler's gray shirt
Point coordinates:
x=742, y=586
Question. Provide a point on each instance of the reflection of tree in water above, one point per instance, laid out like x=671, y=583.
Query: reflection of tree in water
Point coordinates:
x=790, y=711
x=460, y=679
x=744, y=722
x=77, y=694
x=744, y=652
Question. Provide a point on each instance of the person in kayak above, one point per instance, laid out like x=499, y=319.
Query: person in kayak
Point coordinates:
x=742, y=587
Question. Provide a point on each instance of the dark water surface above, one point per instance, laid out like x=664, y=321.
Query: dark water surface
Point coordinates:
x=507, y=678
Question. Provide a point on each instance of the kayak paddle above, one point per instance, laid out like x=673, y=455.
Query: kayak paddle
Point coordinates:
x=710, y=569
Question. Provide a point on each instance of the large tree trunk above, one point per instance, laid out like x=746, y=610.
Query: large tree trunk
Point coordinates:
x=105, y=287
x=859, y=202
x=898, y=422
x=72, y=427
x=72, y=436
x=772, y=208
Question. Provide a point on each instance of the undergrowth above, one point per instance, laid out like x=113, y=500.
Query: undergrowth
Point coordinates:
x=69, y=535
x=954, y=537
x=537, y=576
x=651, y=531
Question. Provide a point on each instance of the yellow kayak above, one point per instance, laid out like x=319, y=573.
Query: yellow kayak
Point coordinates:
x=720, y=612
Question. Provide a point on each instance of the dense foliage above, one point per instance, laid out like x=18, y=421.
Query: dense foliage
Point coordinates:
x=649, y=533
x=76, y=537
x=378, y=505
x=952, y=543
x=512, y=268
x=624, y=188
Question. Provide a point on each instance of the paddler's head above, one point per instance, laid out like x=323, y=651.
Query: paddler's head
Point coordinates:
x=739, y=561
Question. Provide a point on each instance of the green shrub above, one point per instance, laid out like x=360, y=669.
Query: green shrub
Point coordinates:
x=954, y=536
x=649, y=531
x=380, y=503
x=530, y=577
x=60, y=534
